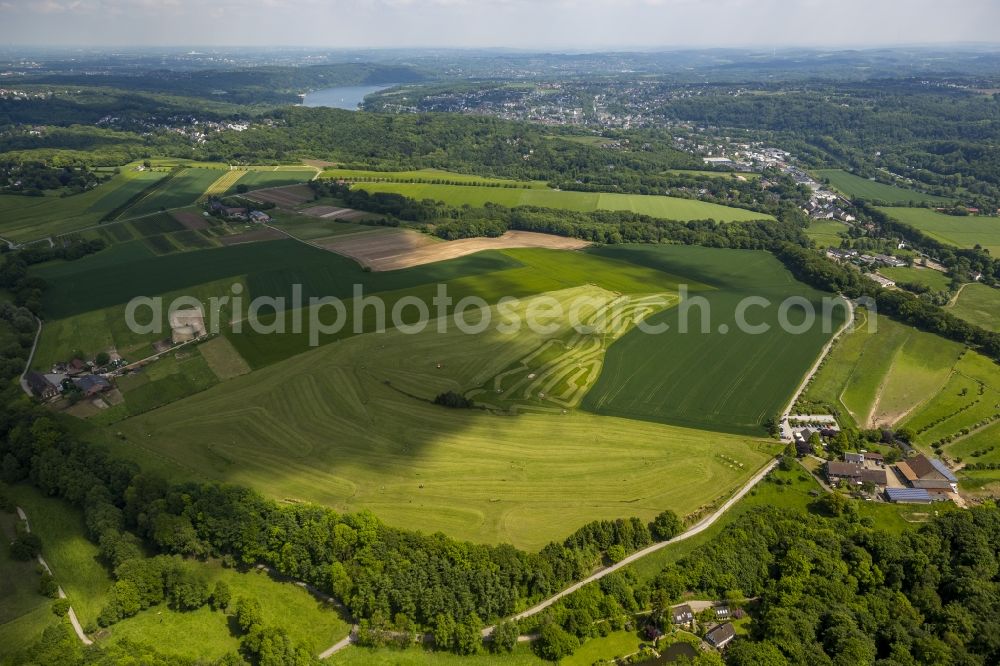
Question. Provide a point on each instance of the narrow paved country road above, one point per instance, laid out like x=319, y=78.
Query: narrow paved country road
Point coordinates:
x=77, y=627
x=785, y=429
x=31, y=357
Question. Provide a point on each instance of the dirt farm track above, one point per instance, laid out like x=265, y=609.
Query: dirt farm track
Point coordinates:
x=391, y=250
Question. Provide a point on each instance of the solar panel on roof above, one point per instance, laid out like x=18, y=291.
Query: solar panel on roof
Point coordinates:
x=897, y=494
x=943, y=469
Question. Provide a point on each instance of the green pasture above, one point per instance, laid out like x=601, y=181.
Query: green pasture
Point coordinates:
x=718, y=377
x=183, y=189
x=936, y=280
x=24, y=613
x=979, y=304
x=881, y=371
x=654, y=206
x=963, y=231
x=857, y=187
x=826, y=233
x=25, y=218
x=260, y=178
x=350, y=425
x=419, y=656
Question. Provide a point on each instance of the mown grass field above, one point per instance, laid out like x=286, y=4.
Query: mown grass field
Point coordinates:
x=28, y=218
x=960, y=231
x=936, y=280
x=349, y=425
x=880, y=376
x=857, y=187
x=710, y=379
x=979, y=304
x=656, y=206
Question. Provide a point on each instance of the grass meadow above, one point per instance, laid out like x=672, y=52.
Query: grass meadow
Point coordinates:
x=183, y=189
x=260, y=178
x=979, y=304
x=960, y=231
x=883, y=376
x=826, y=233
x=350, y=425
x=430, y=176
x=24, y=613
x=655, y=206
x=730, y=381
x=936, y=280
x=28, y=218
x=857, y=187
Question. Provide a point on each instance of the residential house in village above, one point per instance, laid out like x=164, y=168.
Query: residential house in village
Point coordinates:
x=682, y=615
x=721, y=636
x=91, y=385
x=40, y=386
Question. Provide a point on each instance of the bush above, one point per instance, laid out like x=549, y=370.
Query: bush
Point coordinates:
x=453, y=400
x=60, y=607
x=25, y=547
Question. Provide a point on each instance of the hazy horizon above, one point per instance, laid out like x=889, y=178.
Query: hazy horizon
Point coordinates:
x=542, y=25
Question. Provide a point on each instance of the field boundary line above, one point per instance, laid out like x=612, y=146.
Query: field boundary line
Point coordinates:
x=70, y=613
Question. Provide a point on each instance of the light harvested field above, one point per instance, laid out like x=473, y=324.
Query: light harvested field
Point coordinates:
x=284, y=197
x=979, y=304
x=403, y=248
x=332, y=212
x=349, y=425
x=960, y=231
x=862, y=188
x=222, y=184
x=654, y=206
x=223, y=359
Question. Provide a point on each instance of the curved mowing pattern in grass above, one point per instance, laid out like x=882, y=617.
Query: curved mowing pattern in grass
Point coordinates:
x=556, y=375
x=655, y=206
x=979, y=304
x=960, y=231
x=729, y=381
x=861, y=188
x=350, y=425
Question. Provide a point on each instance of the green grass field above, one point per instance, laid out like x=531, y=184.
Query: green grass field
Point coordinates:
x=960, y=231
x=260, y=178
x=182, y=190
x=73, y=559
x=205, y=634
x=980, y=305
x=24, y=613
x=28, y=218
x=311, y=228
x=857, y=187
x=615, y=644
x=881, y=376
x=826, y=233
x=716, y=380
x=936, y=280
x=655, y=206
x=348, y=425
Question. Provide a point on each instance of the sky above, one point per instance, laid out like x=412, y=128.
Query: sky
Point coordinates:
x=526, y=24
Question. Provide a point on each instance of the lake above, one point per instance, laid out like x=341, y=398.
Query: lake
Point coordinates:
x=343, y=97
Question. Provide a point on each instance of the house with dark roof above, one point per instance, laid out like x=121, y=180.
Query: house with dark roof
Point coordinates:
x=875, y=476
x=92, y=384
x=843, y=471
x=721, y=635
x=856, y=458
x=875, y=457
x=40, y=386
x=682, y=614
